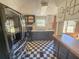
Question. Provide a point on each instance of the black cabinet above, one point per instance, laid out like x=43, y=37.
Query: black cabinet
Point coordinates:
x=71, y=56
x=56, y=48
x=62, y=52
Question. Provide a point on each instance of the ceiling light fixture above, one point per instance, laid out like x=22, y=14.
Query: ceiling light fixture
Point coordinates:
x=44, y=6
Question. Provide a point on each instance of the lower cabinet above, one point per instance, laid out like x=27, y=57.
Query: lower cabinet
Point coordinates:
x=71, y=56
x=62, y=56
x=61, y=51
x=56, y=49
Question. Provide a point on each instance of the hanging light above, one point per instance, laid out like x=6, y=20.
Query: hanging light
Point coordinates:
x=44, y=6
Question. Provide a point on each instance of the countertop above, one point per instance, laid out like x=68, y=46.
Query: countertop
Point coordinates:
x=71, y=43
x=42, y=30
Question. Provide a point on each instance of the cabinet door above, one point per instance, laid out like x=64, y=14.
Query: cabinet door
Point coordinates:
x=63, y=52
x=56, y=50
x=71, y=56
x=56, y=47
x=62, y=56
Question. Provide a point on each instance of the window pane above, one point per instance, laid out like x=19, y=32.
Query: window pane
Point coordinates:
x=70, y=29
x=71, y=23
x=40, y=22
x=69, y=26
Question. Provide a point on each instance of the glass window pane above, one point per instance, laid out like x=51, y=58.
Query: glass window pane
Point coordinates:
x=40, y=22
x=71, y=23
x=69, y=26
x=70, y=29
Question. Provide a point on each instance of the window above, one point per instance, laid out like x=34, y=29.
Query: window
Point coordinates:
x=40, y=22
x=9, y=24
x=69, y=26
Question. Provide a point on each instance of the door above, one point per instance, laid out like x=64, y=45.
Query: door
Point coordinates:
x=12, y=27
x=3, y=47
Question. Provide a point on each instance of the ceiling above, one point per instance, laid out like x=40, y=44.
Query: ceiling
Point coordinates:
x=33, y=6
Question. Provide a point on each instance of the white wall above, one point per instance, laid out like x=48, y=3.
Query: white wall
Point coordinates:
x=67, y=12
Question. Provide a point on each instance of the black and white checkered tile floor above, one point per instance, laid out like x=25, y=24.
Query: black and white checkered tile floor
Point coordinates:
x=39, y=50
